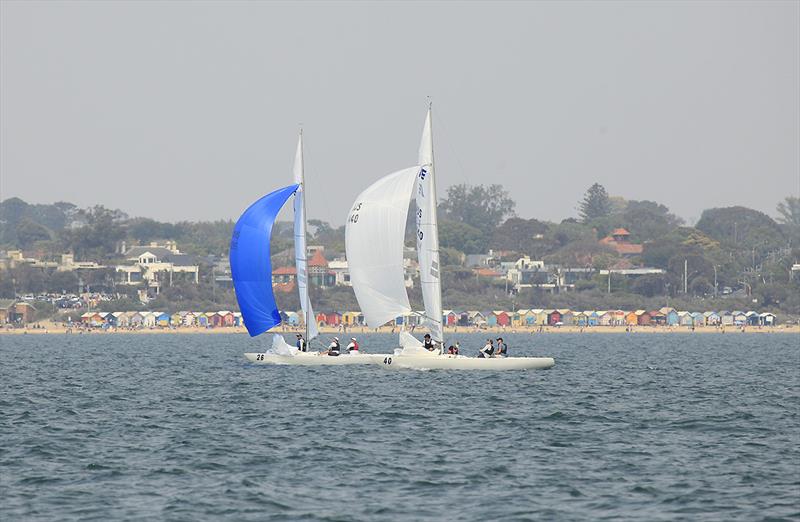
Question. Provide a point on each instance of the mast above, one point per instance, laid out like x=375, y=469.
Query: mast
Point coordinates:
x=436, y=217
x=305, y=235
x=428, y=234
x=300, y=235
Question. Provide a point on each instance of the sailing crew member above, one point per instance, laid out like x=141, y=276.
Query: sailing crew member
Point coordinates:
x=301, y=343
x=487, y=350
x=453, y=349
x=428, y=343
x=334, y=348
x=502, y=348
x=353, y=346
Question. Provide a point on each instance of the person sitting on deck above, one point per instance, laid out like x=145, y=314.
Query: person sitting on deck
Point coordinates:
x=301, y=343
x=353, y=346
x=334, y=348
x=502, y=348
x=428, y=343
x=453, y=350
x=487, y=350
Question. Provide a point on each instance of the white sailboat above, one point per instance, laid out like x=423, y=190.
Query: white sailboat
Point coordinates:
x=374, y=243
x=251, y=237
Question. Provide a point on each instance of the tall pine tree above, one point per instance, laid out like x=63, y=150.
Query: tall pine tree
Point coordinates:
x=595, y=203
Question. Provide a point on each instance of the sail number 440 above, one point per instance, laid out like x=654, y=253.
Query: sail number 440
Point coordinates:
x=354, y=214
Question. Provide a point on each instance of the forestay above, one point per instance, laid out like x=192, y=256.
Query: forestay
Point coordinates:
x=300, y=250
x=428, y=235
x=251, y=267
x=374, y=237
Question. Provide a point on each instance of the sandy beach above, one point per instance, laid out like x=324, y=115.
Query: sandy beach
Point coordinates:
x=46, y=327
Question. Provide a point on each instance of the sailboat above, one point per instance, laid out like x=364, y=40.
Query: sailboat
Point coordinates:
x=374, y=238
x=251, y=270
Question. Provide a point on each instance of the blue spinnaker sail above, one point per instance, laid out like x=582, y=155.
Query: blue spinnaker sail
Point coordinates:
x=251, y=267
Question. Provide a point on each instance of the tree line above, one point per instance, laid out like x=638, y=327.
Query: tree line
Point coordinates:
x=735, y=247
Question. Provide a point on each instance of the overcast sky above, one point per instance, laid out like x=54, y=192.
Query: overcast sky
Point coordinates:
x=190, y=110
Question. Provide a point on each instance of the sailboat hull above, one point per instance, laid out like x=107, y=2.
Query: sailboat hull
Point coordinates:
x=315, y=359
x=450, y=362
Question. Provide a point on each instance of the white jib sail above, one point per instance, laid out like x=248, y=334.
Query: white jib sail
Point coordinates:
x=374, y=237
x=300, y=251
x=428, y=235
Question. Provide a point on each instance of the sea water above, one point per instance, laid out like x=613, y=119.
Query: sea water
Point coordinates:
x=181, y=427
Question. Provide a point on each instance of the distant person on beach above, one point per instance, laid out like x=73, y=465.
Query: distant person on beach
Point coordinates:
x=301, y=343
x=487, y=350
x=502, y=348
x=353, y=346
x=428, y=343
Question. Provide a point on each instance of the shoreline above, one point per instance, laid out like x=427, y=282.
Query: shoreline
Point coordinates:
x=59, y=329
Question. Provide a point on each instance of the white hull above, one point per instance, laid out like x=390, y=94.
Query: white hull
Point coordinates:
x=460, y=362
x=315, y=359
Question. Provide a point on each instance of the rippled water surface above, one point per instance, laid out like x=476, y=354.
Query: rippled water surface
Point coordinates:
x=180, y=427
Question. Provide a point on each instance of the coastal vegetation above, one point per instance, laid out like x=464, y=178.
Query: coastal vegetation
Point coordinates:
x=732, y=258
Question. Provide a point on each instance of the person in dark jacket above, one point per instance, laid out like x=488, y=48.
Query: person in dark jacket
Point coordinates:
x=502, y=348
x=487, y=350
x=334, y=349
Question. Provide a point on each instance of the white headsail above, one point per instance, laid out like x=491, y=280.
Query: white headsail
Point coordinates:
x=374, y=238
x=300, y=251
x=428, y=235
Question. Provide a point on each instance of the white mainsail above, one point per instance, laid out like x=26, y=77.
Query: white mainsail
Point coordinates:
x=300, y=251
x=428, y=235
x=374, y=238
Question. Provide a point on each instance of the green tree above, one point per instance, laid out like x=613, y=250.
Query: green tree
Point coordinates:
x=648, y=220
x=461, y=236
x=741, y=228
x=789, y=209
x=649, y=285
x=62, y=282
x=482, y=207
x=595, y=204
x=527, y=236
x=29, y=232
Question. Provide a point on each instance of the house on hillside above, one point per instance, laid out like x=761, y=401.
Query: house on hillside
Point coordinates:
x=154, y=267
x=619, y=240
x=318, y=272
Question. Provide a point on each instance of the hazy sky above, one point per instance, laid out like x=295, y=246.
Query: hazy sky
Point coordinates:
x=190, y=110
